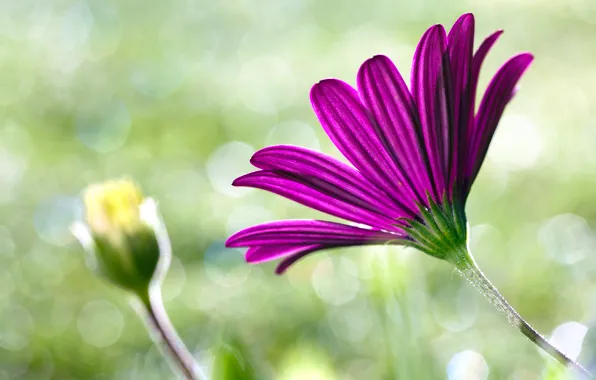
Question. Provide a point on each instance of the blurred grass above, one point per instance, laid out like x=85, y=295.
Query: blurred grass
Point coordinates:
x=179, y=94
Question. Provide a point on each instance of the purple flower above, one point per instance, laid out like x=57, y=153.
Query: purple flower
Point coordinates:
x=415, y=154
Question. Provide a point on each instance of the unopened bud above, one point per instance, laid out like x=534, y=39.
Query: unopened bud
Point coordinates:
x=123, y=232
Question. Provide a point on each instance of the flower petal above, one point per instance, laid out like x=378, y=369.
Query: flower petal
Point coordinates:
x=498, y=94
x=387, y=97
x=290, y=260
x=329, y=176
x=348, y=124
x=306, y=232
x=430, y=71
x=478, y=59
x=331, y=199
x=460, y=45
x=263, y=253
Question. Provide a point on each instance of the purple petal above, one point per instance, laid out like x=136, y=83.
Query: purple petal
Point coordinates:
x=329, y=176
x=264, y=253
x=387, y=97
x=290, y=253
x=331, y=200
x=348, y=124
x=477, y=61
x=290, y=260
x=306, y=232
x=429, y=79
x=460, y=48
x=498, y=94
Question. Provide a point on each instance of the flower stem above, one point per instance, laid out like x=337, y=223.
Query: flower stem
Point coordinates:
x=163, y=333
x=468, y=269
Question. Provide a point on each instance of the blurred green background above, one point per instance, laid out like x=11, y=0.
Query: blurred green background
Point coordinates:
x=179, y=94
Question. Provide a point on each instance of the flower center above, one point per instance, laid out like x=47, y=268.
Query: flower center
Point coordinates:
x=440, y=231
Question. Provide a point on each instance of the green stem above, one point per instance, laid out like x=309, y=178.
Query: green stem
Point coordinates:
x=164, y=335
x=468, y=269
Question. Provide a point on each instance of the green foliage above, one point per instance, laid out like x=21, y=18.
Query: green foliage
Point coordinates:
x=232, y=362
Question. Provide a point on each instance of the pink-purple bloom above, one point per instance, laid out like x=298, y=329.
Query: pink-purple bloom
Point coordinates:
x=414, y=153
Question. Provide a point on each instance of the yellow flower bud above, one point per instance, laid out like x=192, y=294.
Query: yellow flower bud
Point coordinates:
x=123, y=232
x=113, y=207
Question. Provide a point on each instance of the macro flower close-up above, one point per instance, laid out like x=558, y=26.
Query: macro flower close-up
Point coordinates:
x=297, y=190
x=414, y=154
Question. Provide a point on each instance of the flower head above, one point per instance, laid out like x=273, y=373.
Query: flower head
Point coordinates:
x=112, y=208
x=122, y=232
x=415, y=153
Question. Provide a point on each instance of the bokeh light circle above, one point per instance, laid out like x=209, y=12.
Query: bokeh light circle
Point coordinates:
x=54, y=217
x=100, y=323
x=104, y=129
x=228, y=162
x=467, y=365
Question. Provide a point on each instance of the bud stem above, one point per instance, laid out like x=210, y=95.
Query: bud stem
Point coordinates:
x=467, y=268
x=163, y=333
